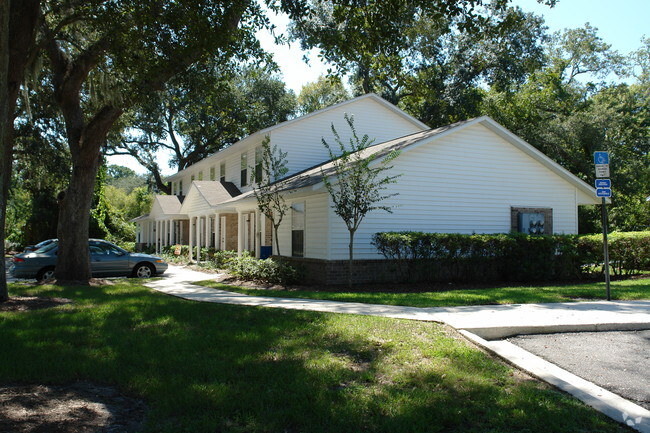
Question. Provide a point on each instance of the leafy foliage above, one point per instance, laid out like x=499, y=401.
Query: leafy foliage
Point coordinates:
x=268, y=191
x=201, y=112
x=324, y=92
x=359, y=180
x=509, y=257
x=568, y=116
x=268, y=270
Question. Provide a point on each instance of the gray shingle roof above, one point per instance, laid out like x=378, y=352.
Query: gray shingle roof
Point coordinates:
x=216, y=192
x=169, y=204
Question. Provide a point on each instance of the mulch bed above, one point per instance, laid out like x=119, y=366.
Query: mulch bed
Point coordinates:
x=28, y=303
x=78, y=408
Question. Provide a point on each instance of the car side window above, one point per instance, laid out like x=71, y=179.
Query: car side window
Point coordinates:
x=95, y=250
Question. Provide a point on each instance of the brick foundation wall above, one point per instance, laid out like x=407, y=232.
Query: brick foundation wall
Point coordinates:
x=333, y=272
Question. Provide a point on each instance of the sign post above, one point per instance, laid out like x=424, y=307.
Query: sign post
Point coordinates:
x=604, y=190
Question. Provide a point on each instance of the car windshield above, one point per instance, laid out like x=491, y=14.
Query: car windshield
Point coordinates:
x=47, y=248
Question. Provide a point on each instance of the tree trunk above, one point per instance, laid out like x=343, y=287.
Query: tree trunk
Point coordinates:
x=17, y=37
x=5, y=139
x=351, y=259
x=277, y=241
x=74, y=214
x=73, y=264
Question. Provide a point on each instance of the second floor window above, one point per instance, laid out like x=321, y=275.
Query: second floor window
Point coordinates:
x=212, y=173
x=244, y=169
x=179, y=191
x=200, y=175
x=222, y=172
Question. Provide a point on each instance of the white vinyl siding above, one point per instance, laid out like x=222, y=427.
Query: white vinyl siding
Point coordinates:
x=316, y=228
x=302, y=140
x=465, y=182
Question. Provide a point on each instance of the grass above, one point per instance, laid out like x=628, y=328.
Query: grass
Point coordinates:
x=208, y=368
x=620, y=290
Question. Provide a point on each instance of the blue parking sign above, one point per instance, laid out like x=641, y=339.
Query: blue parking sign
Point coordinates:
x=603, y=192
x=601, y=158
x=603, y=183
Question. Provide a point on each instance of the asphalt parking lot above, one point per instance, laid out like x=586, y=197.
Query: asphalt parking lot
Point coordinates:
x=617, y=361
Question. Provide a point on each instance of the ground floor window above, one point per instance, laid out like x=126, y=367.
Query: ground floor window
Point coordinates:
x=298, y=229
x=531, y=220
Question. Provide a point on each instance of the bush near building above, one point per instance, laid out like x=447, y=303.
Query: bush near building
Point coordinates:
x=510, y=257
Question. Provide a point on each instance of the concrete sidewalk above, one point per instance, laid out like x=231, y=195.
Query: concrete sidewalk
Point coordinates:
x=479, y=324
x=490, y=322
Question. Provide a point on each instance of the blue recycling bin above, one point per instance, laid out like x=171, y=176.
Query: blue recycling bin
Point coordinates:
x=265, y=252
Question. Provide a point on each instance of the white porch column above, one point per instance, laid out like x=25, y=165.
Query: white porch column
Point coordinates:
x=191, y=240
x=198, y=238
x=180, y=234
x=157, y=236
x=240, y=233
x=217, y=230
x=258, y=233
x=262, y=229
x=209, y=234
x=206, y=230
x=161, y=235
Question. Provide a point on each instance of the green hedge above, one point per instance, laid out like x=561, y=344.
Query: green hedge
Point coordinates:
x=268, y=270
x=509, y=257
x=245, y=267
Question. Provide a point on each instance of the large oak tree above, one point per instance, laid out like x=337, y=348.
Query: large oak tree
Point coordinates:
x=106, y=56
x=18, y=21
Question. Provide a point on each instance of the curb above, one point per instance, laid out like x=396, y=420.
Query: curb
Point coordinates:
x=498, y=333
x=610, y=404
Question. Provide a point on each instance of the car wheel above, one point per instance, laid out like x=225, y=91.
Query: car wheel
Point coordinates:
x=45, y=274
x=144, y=270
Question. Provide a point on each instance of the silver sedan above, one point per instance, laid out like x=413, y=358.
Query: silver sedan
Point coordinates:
x=106, y=260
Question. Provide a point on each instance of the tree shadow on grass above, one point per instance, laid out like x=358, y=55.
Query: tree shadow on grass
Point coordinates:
x=206, y=367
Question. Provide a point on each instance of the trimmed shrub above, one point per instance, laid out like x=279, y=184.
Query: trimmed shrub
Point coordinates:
x=629, y=252
x=509, y=257
x=268, y=270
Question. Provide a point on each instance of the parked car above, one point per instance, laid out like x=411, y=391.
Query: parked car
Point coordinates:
x=30, y=248
x=106, y=260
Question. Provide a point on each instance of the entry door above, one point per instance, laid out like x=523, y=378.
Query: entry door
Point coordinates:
x=222, y=234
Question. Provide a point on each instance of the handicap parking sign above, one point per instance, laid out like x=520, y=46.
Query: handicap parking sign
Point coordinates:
x=601, y=158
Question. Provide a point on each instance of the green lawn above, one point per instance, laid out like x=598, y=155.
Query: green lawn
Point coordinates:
x=620, y=290
x=219, y=368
